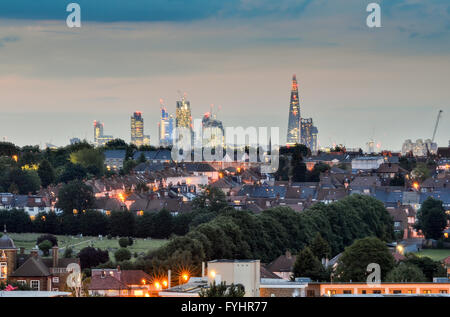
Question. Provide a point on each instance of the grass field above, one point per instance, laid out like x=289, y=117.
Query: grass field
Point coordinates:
x=435, y=254
x=140, y=246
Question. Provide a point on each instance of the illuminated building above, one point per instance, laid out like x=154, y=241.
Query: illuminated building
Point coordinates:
x=293, y=133
x=137, y=130
x=183, y=114
x=99, y=138
x=165, y=128
x=309, y=134
x=214, y=129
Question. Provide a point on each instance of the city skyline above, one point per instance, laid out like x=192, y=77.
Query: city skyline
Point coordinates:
x=357, y=83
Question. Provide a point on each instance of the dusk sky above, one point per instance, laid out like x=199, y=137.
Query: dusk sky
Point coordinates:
x=355, y=82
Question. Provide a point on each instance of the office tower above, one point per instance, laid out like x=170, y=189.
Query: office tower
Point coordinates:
x=99, y=138
x=183, y=114
x=165, y=128
x=308, y=133
x=293, y=133
x=137, y=129
x=212, y=128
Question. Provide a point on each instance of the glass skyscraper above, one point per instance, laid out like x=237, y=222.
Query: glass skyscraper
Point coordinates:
x=293, y=133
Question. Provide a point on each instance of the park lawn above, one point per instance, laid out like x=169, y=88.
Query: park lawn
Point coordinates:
x=140, y=246
x=435, y=254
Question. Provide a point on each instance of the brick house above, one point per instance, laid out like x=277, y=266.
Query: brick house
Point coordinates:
x=40, y=274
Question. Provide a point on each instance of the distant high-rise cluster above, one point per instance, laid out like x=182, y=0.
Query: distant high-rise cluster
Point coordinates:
x=99, y=138
x=138, y=137
x=300, y=130
x=165, y=128
x=419, y=148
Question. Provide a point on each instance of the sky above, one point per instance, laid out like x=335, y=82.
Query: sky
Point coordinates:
x=357, y=83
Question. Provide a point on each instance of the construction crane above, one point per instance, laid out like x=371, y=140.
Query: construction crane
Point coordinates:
x=436, y=126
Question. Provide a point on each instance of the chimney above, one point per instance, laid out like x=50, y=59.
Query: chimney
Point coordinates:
x=22, y=250
x=288, y=255
x=55, y=256
x=34, y=252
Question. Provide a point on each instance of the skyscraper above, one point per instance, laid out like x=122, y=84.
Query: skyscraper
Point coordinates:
x=137, y=130
x=293, y=133
x=99, y=138
x=165, y=128
x=183, y=114
x=308, y=134
x=214, y=129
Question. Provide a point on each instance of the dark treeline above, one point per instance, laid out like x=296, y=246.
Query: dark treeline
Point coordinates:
x=242, y=235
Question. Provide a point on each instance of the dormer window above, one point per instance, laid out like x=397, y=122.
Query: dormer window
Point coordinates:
x=37, y=200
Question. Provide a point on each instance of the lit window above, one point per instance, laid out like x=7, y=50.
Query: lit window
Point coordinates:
x=3, y=270
x=55, y=279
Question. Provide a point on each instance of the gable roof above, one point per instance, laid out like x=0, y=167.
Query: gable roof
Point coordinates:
x=284, y=263
x=106, y=283
x=34, y=267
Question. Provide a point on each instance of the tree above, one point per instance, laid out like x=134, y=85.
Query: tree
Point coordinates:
x=27, y=181
x=162, y=224
x=406, y=273
x=308, y=265
x=47, y=173
x=398, y=180
x=421, y=172
x=298, y=168
x=429, y=267
x=72, y=172
x=320, y=247
x=432, y=219
x=91, y=257
x=212, y=199
x=45, y=247
x=352, y=265
x=68, y=253
x=122, y=254
x=75, y=196
x=314, y=175
x=89, y=158
x=47, y=237
x=122, y=223
x=93, y=222
x=222, y=290
x=124, y=242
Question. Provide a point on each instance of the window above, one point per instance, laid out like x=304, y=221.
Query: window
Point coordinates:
x=55, y=279
x=396, y=291
x=21, y=282
x=34, y=284
x=363, y=291
x=377, y=291
x=55, y=289
x=347, y=291
x=397, y=224
x=426, y=291
x=3, y=270
x=443, y=291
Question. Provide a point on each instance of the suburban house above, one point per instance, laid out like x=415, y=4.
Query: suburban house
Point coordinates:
x=40, y=274
x=120, y=283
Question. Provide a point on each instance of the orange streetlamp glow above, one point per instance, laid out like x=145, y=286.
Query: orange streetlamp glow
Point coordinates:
x=157, y=285
x=185, y=277
x=165, y=283
x=213, y=274
x=416, y=185
x=143, y=281
x=15, y=158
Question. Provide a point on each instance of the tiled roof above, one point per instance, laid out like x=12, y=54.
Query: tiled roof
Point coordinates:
x=106, y=282
x=284, y=263
x=33, y=267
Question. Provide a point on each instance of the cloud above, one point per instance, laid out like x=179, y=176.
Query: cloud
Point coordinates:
x=154, y=10
x=8, y=39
